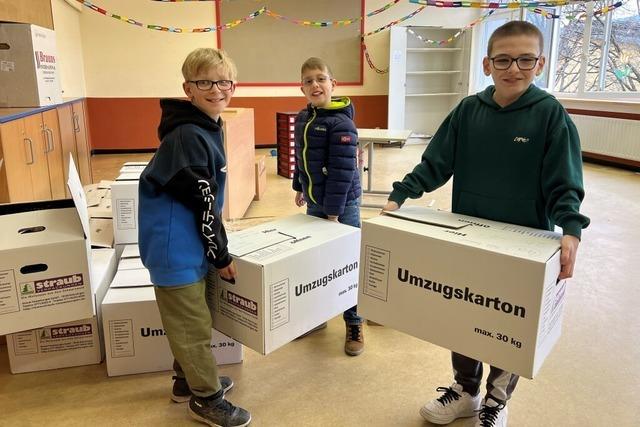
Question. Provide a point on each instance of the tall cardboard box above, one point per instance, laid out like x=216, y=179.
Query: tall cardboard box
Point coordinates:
x=124, y=202
x=134, y=337
x=292, y=275
x=28, y=66
x=44, y=268
x=69, y=344
x=261, y=177
x=481, y=288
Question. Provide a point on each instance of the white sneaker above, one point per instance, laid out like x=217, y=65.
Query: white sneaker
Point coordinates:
x=453, y=404
x=492, y=414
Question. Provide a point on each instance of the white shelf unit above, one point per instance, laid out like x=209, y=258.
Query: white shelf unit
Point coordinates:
x=426, y=81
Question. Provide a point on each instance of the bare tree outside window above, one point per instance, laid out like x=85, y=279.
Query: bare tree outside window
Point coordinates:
x=613, y=63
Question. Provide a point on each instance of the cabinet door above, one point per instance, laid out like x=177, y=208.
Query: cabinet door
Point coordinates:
x=67, y=138
x=34, y=131
x=82, y=143
x=17, y=159
x=54, y=154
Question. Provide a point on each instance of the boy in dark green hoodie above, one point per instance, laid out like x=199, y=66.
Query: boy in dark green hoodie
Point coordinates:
x=515, y=157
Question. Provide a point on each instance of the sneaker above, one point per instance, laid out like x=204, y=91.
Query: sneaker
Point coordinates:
x=453, y=404
x=220, y=413
x=317, y=328
x=182, y=393
x=492, y=414
x=354, y=340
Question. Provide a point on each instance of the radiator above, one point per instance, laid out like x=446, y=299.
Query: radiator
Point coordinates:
x=608, y=136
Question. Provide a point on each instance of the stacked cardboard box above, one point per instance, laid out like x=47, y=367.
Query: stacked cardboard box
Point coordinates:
x=285, y=125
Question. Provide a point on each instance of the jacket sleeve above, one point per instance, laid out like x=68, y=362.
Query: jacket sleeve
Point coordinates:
x=562, y=186
x=341, y=166
x=188, y=179
x=436, y=166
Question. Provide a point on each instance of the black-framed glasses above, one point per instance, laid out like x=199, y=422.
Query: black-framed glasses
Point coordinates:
x=208, y=84
x=524, y=63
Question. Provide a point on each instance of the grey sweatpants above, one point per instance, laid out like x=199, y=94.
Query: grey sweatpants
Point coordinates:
x=468, y=373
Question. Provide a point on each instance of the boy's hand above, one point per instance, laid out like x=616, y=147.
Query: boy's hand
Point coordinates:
x=390, y=206
x=229, y=272
x=332, y=218
x=299, y=199
x=568, y=250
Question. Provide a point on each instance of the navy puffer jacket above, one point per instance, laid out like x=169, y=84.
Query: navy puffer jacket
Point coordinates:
x=326, y=146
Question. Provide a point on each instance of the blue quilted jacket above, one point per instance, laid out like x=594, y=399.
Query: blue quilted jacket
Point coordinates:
x=326, y=146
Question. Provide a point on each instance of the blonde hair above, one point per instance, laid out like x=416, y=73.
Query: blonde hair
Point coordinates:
x=205, y=58
x=316, y=64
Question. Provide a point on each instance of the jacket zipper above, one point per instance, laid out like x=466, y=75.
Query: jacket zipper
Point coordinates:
x=304, y=157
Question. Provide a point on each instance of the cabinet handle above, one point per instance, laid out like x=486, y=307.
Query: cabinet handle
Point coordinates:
x=30, y=149
x=52, y=145
x=76, y=123
x=45, y=135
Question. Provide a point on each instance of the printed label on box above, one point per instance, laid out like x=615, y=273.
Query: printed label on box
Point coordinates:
x=552, y=303
x=125, y=209
x=63, y=338
x=25, y=343
x=279, y=292
x=239, y=309
x=8, y=294
x=121, y=331
x=52, y=291
x=376, y=272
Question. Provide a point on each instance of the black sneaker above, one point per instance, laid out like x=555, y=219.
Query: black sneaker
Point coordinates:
x=219, y=413
x=182, y=393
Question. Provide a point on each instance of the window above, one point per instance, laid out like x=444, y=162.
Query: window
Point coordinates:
x=590, y=54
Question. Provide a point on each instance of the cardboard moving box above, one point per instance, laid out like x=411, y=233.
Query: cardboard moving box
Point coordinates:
x=480, y=288
x=69, y=344
x=134, y=337
x=124, y=203
x=292, y=275
x=44, y=269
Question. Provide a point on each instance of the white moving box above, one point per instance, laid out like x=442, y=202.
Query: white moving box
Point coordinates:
x=134, y=337
x=69, y=344
x=28, y=66
x=44, y=272
x=480, y=288
x=292, y=275
x=124, y=203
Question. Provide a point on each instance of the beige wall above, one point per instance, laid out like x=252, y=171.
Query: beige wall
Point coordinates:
x=123, y=60
x=69, y=45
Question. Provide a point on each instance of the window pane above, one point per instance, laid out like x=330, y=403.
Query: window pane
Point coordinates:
x=489, y=26
x=623, y=60
x=545, y=25
x=569, y=48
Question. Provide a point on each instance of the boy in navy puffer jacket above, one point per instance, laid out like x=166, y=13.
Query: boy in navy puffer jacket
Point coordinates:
x=326, y=176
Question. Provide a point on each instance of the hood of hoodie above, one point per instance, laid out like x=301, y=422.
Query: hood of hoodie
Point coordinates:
x=339, y=103
x=531, y=96
x=177, y=112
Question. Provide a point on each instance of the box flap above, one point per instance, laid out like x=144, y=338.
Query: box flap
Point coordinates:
x=125, y=295
x=79, y=198
x=131, y=278
x=130, y=264
x=427, y=216
x=129, y=176
x=101, y=232
x=130, y=251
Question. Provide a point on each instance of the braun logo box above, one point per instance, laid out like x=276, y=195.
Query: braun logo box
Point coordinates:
x=292, y=275
x=28, y=66
x=135, y=340
x=124, y=203
x=481, y=288
x=44, y=272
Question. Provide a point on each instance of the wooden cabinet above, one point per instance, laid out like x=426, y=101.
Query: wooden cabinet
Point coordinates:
x=239, y=145
x=73, y=133
x=34, y=153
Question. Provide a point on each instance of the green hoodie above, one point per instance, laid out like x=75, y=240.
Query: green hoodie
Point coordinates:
x=520, y=164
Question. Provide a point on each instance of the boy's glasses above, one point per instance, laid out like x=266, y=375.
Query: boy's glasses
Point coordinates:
x=208, y=84
x=320, y=79
x=524, y=63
